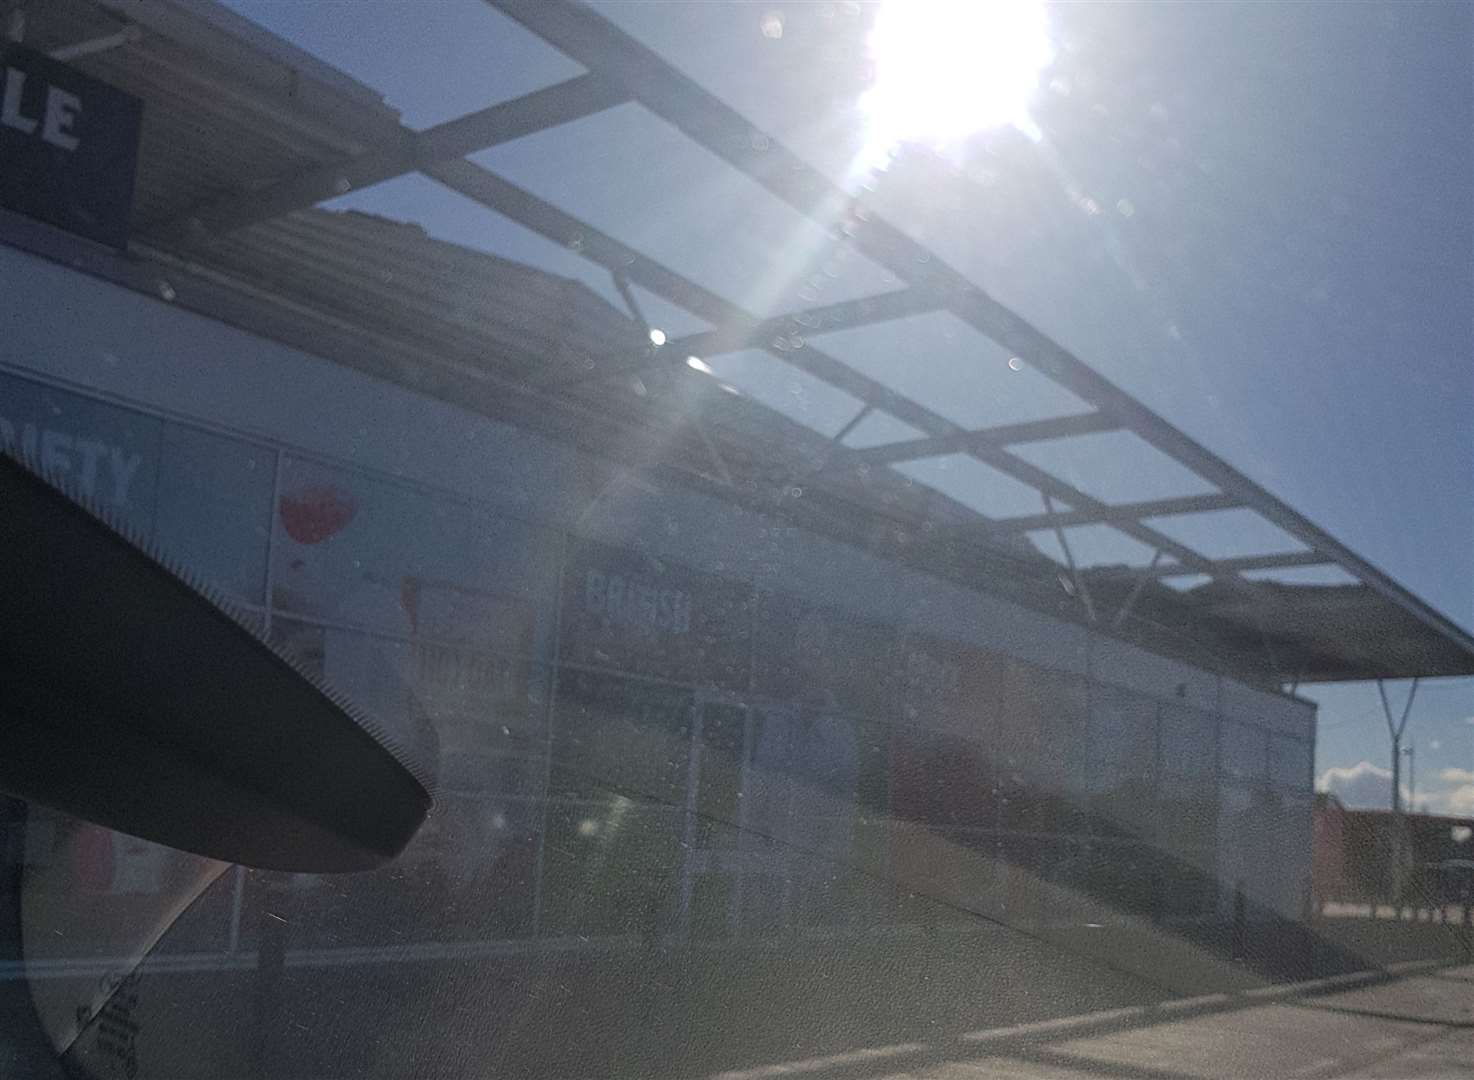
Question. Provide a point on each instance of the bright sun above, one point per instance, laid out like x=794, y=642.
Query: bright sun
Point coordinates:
x=947, y=68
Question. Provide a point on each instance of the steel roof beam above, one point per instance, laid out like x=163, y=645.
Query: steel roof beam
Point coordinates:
x=1251, y=562
x=1003, y=435
x=844, y=315
x=1056, y=488
x=750, y=332
x=1114, y=515
x=558, y=104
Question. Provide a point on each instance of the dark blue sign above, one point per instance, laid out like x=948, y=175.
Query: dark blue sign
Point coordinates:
x=68, y=146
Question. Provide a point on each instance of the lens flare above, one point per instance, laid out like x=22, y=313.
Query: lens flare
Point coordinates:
x=945, y=69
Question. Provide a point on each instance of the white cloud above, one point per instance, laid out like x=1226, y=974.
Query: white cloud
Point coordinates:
x=1365, y=786
x=1459, y=801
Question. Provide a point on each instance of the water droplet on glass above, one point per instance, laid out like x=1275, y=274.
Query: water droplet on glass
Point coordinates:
x=167, y=291
x=1015, y=364
x=772, y=25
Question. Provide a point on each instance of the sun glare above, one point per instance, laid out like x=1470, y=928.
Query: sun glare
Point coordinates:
x=947, y=68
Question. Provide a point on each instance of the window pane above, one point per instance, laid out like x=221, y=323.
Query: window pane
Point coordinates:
x=613, y=735
x=611, y=866
x=941, y=780
x=1122, y=730
x=214, y=508
x=1123, y=744
x=110, y=881
x=359, y=551
x=722, y=737
x=1187, y=742
x=713, y=897
x=808, y=652
x=1185, y=884
x=1290, y=763
x=1188, y=816
x=1245, y=751
x=1120, y=877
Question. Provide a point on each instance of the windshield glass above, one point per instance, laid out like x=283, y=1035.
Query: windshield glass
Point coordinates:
x=903, y=538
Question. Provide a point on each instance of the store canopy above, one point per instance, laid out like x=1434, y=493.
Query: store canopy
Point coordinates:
x=802, y=401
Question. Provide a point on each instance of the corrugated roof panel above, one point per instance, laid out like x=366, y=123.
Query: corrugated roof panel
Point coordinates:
x=210, y=128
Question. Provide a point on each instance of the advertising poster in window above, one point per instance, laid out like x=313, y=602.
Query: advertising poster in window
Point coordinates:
x=358, y=551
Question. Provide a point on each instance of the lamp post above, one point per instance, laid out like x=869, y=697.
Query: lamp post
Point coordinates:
x=1395, y=728
x=1468, y=887
x=1412, y=776
x=1470, y=722
x=1394, y=854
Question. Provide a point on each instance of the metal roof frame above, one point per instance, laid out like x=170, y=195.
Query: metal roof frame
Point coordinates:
x=604, y=49
x=621, y=70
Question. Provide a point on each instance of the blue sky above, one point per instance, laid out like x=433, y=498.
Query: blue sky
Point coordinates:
x=1253, y=217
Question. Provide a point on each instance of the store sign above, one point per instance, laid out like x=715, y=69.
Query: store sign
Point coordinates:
x=68, y=146
x=648, y=617
x=102, y=471
x=641, y=605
